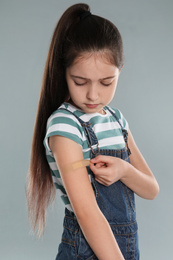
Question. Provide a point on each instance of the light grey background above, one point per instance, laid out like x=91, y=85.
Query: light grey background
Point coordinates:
x=144, y=95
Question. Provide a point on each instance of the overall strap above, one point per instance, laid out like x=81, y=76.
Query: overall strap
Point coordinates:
x=124, y=131
x=89, y=133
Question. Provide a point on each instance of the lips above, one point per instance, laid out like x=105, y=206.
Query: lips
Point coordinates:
x=92, y=105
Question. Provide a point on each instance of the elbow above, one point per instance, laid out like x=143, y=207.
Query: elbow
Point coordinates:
x=155, y=192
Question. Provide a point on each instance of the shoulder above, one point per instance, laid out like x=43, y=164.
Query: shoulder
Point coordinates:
x=119, y=115
x=63, y=123
x=116, y=111
x=63, y=116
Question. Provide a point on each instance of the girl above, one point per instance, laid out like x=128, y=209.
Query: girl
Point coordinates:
x=75, y=123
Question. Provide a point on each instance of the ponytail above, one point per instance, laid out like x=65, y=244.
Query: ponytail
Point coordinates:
x=40, y=188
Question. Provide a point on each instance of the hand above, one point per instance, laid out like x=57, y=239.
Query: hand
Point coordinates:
x=108, y=169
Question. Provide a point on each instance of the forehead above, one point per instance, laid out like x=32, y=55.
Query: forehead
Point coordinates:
x=93, y=66
x=104, y=56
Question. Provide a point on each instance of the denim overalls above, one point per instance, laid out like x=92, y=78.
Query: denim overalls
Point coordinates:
x=116, y=202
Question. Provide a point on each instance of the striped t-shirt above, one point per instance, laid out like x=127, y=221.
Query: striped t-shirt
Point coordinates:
x=64, y=123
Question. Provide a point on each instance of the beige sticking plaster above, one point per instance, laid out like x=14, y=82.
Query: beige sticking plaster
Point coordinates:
x=76, y=165
x=80, y=164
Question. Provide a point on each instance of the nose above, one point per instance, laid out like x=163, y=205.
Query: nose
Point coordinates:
x=92, y=93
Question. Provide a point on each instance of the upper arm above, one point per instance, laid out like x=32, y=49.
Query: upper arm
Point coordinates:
x=136, y=158
x=76, y=182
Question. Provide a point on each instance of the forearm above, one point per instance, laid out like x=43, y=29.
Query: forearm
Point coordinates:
x=137, y=175
x=99, y=236
x=143, y=184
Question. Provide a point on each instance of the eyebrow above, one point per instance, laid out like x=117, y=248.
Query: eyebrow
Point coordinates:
x=78, y=77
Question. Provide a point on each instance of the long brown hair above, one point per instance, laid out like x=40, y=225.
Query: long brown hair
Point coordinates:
x=74, y=34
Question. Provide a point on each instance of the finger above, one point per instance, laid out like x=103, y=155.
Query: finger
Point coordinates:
x=102, y=159
x=97, y=170
x=99, y=165
x=97, y=159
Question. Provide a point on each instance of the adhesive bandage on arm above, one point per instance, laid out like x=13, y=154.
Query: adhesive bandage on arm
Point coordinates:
x=76, y=165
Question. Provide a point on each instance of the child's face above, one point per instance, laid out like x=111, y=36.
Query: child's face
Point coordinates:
x=92, y=82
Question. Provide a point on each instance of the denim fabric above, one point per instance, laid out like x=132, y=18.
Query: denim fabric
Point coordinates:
x=116, y=202
x=74, y=245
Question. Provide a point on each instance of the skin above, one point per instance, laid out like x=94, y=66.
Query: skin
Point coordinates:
x=86, y=80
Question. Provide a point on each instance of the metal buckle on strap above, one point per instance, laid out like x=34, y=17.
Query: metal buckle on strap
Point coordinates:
x=95, y=152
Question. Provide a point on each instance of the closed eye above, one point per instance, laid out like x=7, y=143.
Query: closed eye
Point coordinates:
x=79, y=84
x=106, y=84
